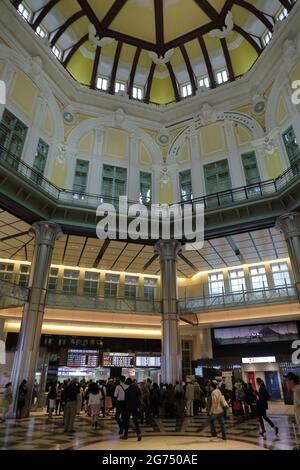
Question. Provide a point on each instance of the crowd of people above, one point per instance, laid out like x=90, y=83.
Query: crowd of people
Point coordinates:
x=146, y=401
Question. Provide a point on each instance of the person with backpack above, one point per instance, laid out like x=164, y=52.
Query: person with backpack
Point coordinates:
x=263, y=397
x=120, y=405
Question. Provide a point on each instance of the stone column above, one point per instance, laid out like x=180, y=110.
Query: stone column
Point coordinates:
x=26, y=357
x=234, y=157
x=197, y=179
x=133, y=176
x=171, y=345
x=289, y=225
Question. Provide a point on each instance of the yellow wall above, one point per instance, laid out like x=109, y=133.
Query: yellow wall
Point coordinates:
x=273, y=165
x=48, y=123
x=243, y=136
x=116, y=144
x=166, y=193
x=162, y=91
x=281, y=112
x=144, y=155
x=212, y=140
x=59, y=173
x=86, y=143
x=243, y=57
x=184, y=155
x=24, y=94
x=81, y=68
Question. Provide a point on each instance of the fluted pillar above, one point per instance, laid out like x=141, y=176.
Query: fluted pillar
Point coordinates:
x=289, y=225
x=26, y=357
x=171, y=346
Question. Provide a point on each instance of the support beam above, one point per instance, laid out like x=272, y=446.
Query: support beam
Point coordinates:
x=171, y=345
x=248, y=38
x=228, y=60
x=44, y=12
x=189, y=68
x=95, y=68
x=159, y=24
x=75, y=49
x=115, y=69
x=208, y=64
x=133, y=72
x=174, y=81
x=26, y=357
x=247, y=6
x=59, y=32
x=149, y=83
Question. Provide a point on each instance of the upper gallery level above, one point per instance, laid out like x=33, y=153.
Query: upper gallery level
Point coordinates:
x=83, y=145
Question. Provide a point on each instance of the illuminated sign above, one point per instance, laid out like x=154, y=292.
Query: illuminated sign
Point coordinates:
x=258, y=360
x=125, y=360
x=82, y=358
x=148, y=361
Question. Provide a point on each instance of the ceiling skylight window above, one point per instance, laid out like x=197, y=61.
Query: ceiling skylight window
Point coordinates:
x=102, y=83
x=137, y=93
x=204, y=82
x=56, y=51
x=282, y=14
x=222, y=77
x=186, y=90
x=41, y=32
x=24, y=11
x=119, y=87
x=267, y=38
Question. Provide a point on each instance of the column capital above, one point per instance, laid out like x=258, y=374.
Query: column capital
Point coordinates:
x=46, y=233
x=289, y=224
x=168, y=250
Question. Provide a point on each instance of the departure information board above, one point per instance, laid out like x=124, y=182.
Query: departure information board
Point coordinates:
x=118, y=360
x=147, y=361
x=82, y=358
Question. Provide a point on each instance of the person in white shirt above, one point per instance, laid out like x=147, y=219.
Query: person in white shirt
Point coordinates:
x=120, y=398
x=292, y=383
x=189, y=396
x=94, y=403
x=216, y=411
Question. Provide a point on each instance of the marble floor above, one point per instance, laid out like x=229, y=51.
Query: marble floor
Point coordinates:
x=40, y=433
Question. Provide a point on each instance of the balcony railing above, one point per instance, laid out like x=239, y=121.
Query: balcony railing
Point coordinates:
x=225, y=301
x=224, y=198
x=110, y=304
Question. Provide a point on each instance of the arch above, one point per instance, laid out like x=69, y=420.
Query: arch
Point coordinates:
x=199, y=121
x=110, y=121
x=28, y=66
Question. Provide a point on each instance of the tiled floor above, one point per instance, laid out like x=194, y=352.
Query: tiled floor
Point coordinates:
x=38, y=433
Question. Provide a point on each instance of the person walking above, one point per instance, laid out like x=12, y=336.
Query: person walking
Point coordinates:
x=189, y=396
x=197, y=398
x=216, y=411
x=154, y=401
x=52, y=400
x=250, y=399
x=22, y=392
x=262, y=405
x=292, y=383
x=94, y=403
x=132, y=405
x=71, y=397
x=6, y=401
x=179, y=400
x=120, y=403
x=58, y=406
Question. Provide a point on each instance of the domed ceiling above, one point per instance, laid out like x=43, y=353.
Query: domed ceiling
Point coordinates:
x=158, y=45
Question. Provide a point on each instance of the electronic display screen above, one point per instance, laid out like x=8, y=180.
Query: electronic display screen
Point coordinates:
x=118, y=360
x=82, y=358
x=148, y=361
x=274, y=332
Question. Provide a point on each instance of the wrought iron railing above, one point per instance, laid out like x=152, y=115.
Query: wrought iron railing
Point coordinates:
x=247, y=193
x=276, y=295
